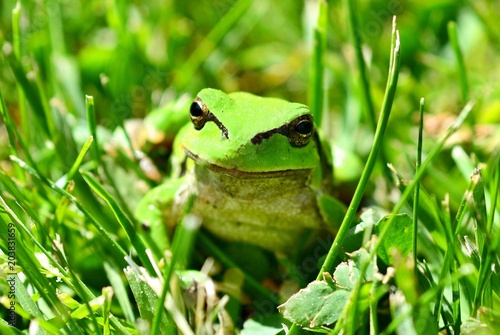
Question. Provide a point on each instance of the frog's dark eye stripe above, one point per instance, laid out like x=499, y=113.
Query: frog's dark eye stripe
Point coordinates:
x=200, y=115
x=298, y=131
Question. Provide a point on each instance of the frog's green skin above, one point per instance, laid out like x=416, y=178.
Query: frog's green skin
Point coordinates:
x=259, y=174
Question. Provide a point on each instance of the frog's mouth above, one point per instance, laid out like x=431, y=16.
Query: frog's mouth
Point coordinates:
x=235, y=172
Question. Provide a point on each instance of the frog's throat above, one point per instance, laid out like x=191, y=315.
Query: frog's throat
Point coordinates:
x=246, y=174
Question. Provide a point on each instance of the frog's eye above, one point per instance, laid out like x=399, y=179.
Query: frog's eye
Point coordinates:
x=300, y=130
x=198, y=112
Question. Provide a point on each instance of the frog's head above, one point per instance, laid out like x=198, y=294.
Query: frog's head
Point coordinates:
x=244, y=133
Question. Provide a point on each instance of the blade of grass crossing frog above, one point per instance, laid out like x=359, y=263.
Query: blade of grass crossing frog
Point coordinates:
x=370, y=164
x=350, y=310
x=182, y=245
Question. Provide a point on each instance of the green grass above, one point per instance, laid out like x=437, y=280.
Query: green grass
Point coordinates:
x=73, y=74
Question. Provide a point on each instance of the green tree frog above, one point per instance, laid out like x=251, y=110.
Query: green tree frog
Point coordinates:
x=258, y=170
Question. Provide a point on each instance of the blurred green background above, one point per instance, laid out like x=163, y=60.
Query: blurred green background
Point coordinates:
x=133, y=56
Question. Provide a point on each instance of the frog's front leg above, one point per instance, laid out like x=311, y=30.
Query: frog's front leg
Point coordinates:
x=159, y=210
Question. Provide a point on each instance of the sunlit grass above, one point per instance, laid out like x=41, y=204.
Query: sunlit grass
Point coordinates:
x=72, y=75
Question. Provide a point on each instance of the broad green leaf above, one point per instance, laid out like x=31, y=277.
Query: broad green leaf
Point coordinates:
x=347, y=274
x=399, y=236
x=428, y=212
x=316, y=305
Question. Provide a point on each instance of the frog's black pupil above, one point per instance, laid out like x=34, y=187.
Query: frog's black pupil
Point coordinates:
x=195, y=110
x=304, y=127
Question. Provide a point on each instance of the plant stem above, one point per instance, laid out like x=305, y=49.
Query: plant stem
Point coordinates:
x=417, y=187
x=370, y=164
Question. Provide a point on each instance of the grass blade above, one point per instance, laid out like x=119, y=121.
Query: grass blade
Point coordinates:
x=462, y=74
x=316, y=86
x=124, y=221
x=360, y=62
x=416, y=198
x=370, y=164
x=120, y=290
x=182, y=247
x=30, y=91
